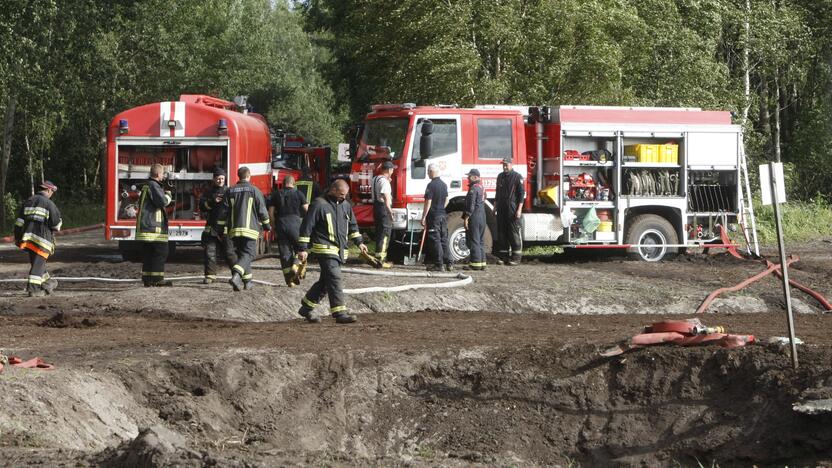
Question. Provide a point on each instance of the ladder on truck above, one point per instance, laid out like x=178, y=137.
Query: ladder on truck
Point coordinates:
x=746, y=219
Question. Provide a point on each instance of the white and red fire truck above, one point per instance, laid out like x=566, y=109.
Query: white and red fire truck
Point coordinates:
x=653, y=180
x=190, y=137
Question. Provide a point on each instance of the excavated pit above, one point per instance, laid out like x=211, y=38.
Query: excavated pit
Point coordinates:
x=530, y=405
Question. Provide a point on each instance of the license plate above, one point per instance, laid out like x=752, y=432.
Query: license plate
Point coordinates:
x=178, y=233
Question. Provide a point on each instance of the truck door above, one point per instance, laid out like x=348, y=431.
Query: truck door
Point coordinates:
x=493, y=141
x=447, y=136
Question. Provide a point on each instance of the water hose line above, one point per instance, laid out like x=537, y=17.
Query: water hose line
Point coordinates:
x=459, y=279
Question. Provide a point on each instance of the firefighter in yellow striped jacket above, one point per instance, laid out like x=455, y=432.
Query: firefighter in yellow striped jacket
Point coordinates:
x=152, y=228
x=247, y=218
x=33, y=228
x=328, y=226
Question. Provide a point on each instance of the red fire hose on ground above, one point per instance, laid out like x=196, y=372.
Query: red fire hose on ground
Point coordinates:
x=770, y=268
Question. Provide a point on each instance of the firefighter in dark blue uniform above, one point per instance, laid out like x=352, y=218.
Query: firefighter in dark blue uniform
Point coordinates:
x=33, y=232
x=474, y=217
x=152, y=228
x=327, y=228
x=509, y=204
x=435, y=220
x=286, y=209
x=214, y=239
x=246, y=219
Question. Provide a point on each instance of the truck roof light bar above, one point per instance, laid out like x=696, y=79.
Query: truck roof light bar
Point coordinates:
x=393, y=107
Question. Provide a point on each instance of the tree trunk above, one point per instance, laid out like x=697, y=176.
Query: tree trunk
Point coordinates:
x=745, y=63
x=8, y=131
x=765, y=122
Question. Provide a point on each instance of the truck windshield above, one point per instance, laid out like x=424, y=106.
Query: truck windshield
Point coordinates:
x=191, y=171
x=382, y=138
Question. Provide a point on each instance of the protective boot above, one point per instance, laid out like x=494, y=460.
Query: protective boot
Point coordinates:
x=207, y=280
x=236, y=281
x=343, y=317
x=50, y=285
x=37, y=293
x=308, y=315
x=162, y=284
x=248, y=285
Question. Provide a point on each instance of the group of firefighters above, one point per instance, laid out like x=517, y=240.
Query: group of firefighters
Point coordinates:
x=238, y=215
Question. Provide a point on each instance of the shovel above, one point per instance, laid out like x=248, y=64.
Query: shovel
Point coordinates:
x=421, y=258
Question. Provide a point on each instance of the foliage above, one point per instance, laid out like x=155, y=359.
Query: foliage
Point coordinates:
x=802, y=222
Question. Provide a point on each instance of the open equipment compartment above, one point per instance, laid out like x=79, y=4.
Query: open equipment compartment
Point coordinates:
x=589, y=178
x=190, y=171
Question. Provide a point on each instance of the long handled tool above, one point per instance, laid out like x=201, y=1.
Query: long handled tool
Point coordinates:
x=420, y=258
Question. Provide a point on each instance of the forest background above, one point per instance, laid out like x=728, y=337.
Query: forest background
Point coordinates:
x=312, y=67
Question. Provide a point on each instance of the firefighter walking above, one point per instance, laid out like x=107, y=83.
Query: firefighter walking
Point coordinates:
x=214, y=238
x=246, y=219
x=152, y=228
x=328, y=226
x=475, y=224
x=36, y=222
x=435, y=220
x=509, y=206
x=383, y=212
x=286, y=209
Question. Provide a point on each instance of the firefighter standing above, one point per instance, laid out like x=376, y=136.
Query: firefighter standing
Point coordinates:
x=286, y=210
x=509, y=206
x=328, y=226
x=308, y=186
x=383, y=212
x=474, y=217
x=246, y=218
x=36, y=221
x=435, y=220
x=152, y=228
x=214, y=238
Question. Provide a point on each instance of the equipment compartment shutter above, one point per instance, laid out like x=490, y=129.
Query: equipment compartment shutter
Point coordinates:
x=588, y=134
x=712, y=149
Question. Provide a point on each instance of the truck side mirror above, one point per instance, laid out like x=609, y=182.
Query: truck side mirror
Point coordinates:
x=425, y=142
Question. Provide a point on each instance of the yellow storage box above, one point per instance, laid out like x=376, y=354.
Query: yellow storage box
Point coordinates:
x=605, y=226
x=669, y=153
x=643, y=153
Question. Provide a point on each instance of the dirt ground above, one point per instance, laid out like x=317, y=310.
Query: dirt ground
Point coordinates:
x=503, y=371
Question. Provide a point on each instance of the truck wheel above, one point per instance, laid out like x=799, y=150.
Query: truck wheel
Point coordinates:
x=457, y=239
x=651, y=232
x=130, y=251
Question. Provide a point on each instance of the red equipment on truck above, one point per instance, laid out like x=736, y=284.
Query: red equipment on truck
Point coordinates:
x=664, y=178
x=189, y=137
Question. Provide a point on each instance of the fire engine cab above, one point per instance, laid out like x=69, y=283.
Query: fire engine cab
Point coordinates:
x=190, y=137
x=649, y=180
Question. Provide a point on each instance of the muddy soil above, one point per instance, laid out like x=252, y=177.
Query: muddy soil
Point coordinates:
x=505, y=371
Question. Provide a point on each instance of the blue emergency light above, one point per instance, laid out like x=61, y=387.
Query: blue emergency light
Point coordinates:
x=122, y=127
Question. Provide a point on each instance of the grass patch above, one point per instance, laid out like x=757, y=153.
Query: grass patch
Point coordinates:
x=73, y=213
x=802, y=221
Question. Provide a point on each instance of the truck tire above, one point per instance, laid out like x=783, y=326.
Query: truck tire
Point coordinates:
x=651, y=230
x=457, y=238
x=130, y=251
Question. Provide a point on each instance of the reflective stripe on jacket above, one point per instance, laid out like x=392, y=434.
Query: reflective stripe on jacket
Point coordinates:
x=152, y=220
x=35, y=222
x=327, y=228
x=247, y=212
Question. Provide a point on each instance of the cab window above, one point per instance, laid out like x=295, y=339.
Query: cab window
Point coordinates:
x=494, y=139
x=445, y=142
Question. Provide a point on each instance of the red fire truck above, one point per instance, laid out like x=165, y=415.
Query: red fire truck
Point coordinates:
x=649, y=180
x=190, y=137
